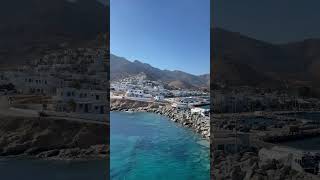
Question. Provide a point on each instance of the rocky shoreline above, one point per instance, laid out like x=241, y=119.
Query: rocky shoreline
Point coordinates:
x=195, y=122
x=52, y=139
x=250, y=166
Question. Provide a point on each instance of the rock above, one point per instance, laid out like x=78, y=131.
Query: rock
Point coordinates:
x=48, y=154
x=266, y=165
x=15, y=149
x=270, y=173
x=236, y=173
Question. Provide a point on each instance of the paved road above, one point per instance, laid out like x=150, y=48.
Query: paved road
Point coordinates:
x=7, y=110
x=76, y=120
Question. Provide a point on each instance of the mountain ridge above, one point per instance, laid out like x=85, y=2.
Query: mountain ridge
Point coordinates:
x=242, y=60
x=121, y=68
x=37, y=26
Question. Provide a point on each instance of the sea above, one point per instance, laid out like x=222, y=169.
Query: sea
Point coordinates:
x=150, y=146
x=32, y=169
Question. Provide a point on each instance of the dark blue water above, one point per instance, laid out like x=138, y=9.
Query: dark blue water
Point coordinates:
x=23, y=169
x=256, y=121
x=149, y=146
x=305, y=115
x=310, y=144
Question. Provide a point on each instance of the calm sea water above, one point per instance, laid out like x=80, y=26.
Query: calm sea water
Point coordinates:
x=13, y=169
x=310, y=144
x=149, y=146
x=306, y=115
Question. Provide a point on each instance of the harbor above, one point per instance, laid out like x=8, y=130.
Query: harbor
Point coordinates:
x=282, y=136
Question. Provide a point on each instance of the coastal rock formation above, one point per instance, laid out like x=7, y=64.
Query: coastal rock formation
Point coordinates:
x=124, y=104
x=53, y=138
x=248, y=166
x=196, y=122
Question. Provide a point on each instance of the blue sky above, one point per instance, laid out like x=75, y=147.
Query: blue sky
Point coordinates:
x=167, y=34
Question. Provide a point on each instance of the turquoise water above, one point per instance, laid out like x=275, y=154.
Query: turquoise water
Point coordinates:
x=149, y=146
x=14, y=169
x=205, y=106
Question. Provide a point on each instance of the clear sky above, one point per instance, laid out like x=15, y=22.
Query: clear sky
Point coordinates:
x=277, y=21
x=167, y=34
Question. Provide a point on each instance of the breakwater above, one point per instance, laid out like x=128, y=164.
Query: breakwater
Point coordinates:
x=196, y=122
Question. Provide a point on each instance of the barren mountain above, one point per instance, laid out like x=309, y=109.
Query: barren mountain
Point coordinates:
x=30, y=28
x=121, y=68
x=241, y=60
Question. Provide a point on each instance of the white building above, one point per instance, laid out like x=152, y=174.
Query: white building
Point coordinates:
x=81, y=101
x=198, y=110
x=159, y=98
x=179, y=105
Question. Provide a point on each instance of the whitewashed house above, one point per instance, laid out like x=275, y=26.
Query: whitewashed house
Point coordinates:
x=81, y=101
x=202, y=111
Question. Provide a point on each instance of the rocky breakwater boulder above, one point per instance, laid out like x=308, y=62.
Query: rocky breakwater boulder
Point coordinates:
x=53, y=138
x=196, y=122
x=248, y=166
x=127, y=104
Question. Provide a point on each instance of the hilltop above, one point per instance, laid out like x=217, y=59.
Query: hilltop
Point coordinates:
x=38, y=26
x=241, y=60
x=121, y=68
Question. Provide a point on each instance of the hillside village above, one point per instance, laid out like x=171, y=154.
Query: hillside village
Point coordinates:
x=185, y=106
x=139, y=88
x=71, y=81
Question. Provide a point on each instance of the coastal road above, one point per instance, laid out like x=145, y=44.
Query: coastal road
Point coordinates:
x=76, y=120
x=7, y=110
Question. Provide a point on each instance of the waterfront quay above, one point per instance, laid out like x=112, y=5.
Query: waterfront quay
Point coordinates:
x=263, y=137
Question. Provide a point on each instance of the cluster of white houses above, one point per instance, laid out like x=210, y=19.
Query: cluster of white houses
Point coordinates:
x=247, y=99
x=75, y=78
x=141, y=89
